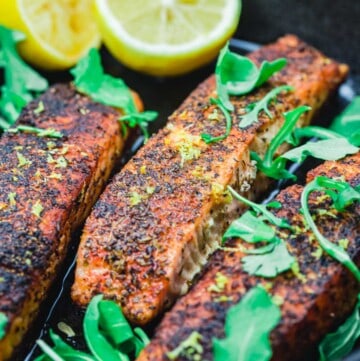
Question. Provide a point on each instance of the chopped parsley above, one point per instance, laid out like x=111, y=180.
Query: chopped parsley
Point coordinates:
x=37, y=209
x=190, y=348
x=47, y=132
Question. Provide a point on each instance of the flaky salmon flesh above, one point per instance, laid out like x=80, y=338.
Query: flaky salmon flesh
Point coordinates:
x=312, y=303
x=47, y=188
x=160, y=218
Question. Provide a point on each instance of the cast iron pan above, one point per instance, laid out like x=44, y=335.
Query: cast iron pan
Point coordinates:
x=164, y=96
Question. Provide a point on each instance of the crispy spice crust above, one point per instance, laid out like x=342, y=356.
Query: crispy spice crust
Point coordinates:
x=48, y=187
x=312, y=305
x=160, y=218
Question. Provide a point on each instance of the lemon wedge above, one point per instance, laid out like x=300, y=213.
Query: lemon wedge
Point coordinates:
x=58, y=32
x=166, y=37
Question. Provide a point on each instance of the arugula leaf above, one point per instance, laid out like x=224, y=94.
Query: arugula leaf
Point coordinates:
x=262, y=105
x=348, y=122
x=60, y=351
x=269, y=264
x=338, y=344
x=328, y=149
x=271, y=259
x=276, y=168
x=260, y=208
x=22, y=83
x=107, y=333
x=3, y=324
x=208, y=138
x=333, y=146
x=314, y=131
x=90, y=79
x=332, y=249
x=342, y=193
x=250, y=228
x=247, y=328
x=239, y=75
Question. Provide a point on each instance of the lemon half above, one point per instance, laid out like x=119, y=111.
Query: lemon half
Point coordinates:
x=166, y=37
x=58, y=32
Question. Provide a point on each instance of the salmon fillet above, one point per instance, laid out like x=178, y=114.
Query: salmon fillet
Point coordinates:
x=161, y=217
x=47, y=188
x=312, y=305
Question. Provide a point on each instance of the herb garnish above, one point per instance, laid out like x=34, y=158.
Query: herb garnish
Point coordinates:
x=247, y=328
x=332, y=147
x=338, y=344
x=107, y=333
x=48, y=132
x=208, y=138
x=190, y=347
x=270, y=259
x=3, y=323
x=342, y=195
x=348, y=122
x=22, y=83
x=90, y=79
x=238, y=75
x=262, y=105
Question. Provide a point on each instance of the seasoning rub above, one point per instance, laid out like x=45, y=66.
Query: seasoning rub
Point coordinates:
x=314, y=298
x=47, y=187
x=162, y=216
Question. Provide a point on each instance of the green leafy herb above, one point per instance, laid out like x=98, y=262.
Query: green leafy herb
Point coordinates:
x=61, y=351
x=338, y=344
x=238, y=75
x=328, y=149
x=37, y=209
x=90, y=79
x=314, y=131
x=108, y=336
x=333, y=146
x=208, y=138
x=250, y=228
x=275, y=168
x=190, y=347
x=247, y=328
x=40, y=108
x=261, y=209
x=342, y=196
x=348, y=122
x=268, y=260
x=269, y=264
x=21, y=83
x=48, y=132
x=3, y=324
x=262, y=105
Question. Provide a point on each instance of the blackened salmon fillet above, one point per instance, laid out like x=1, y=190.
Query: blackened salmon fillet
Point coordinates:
x=47, y=188
x=313, y=303
x=161, y=217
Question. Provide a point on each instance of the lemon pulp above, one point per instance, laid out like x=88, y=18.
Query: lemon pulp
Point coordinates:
x=166, y=37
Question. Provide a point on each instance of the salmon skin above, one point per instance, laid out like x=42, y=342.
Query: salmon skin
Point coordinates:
x=161, y=217
x=47, y=188
x=313, y=304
